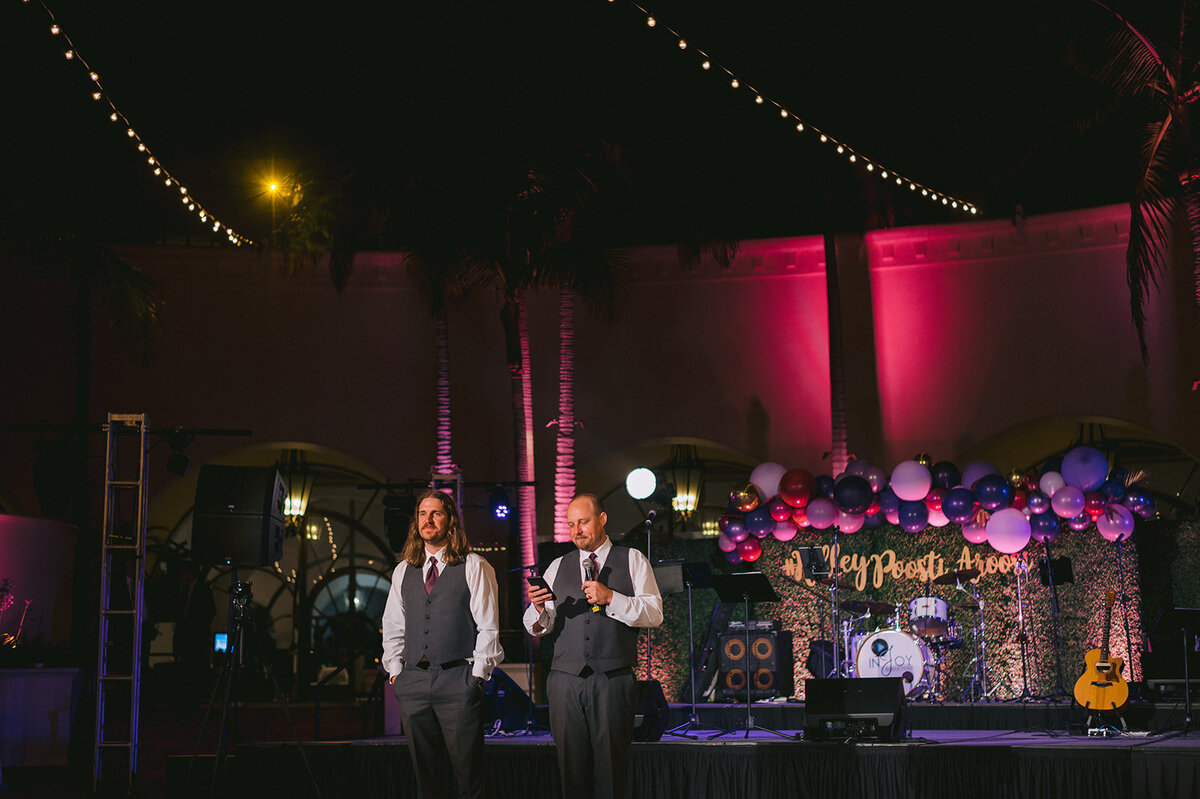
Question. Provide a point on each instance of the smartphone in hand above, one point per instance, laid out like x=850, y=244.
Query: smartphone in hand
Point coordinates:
x=540, y=582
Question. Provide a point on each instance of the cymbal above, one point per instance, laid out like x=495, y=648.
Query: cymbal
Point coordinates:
x=867, y=606
x=960, y=576
x=829, y=581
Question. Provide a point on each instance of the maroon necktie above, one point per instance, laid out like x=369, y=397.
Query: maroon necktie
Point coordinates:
x=431, y=578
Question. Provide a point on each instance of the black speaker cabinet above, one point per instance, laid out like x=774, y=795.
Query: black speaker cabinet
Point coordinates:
x=238, y=517
x=865, y=708
x=768, y=667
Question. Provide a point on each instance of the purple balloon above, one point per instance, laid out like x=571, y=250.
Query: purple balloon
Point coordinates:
x=958, y=505
x=974, y=471
x=913, y=516
x=759, y=522
x=1037, y=502
x=888, y=501
x=1068, y=501
x=736, y=530
x=850, y=522
x=993, y=492
x=911, y=481
x=1045, y=527
x=733, y=557
x=1116, y=523
x=945, y=475
x=821, y=513
x=725, y=543
x=853, y=494
x=1085, y=468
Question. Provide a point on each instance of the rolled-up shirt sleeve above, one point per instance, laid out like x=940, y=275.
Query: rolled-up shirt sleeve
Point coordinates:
x=539, y=624
x=393, y=624
x=485, y=609
x=644, y=608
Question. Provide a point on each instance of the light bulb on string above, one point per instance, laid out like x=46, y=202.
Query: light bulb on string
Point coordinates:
x=54, y=29
x=783, y=113
x=95, y=95
x=651, y=21
x=129, y=132
x=69, y=54
x=682, y=44
x=853, y=158
x=705, y=65
x=841, y=149
x=94, y=77
x=824, y=138
x=158, y=170
x=113, y=116
x=799, y=127
x=734, y=83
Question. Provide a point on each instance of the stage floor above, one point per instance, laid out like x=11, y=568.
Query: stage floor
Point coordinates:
x=942, y=760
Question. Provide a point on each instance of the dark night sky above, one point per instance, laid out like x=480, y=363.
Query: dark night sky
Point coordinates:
x=971, y=100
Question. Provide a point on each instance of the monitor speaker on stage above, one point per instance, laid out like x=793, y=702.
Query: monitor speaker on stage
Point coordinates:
x=864, y=708
x=238, y=516
x=769, y=666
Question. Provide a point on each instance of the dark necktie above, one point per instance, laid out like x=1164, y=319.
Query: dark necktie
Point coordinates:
x=595, y=566
x=431, y=578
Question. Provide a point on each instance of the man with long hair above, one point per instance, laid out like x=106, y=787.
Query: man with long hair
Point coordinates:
x=441, y=640
x=602, y=594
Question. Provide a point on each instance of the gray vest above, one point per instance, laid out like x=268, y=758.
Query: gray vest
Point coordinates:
x=584, y=638
x=437, y=626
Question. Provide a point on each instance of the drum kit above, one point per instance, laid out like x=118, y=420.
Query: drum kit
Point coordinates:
x=876, y=640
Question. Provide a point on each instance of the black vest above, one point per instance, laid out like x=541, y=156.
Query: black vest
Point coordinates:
x=437, y=626
x=584, y=638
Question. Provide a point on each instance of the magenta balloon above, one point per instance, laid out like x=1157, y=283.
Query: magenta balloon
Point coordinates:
x=975, y=470
x=1037, y=502
x=785, y=531
x=911, y=481
x=733, y=557
x=850, y=522
x=725, y=543
x=1085, y=468
x=821, y=513
x=1008, y=531
x=1116, y=523
x=1067, y=502
x=975, y=533
x=750, y=549
x=937, y=518
x=892, y=516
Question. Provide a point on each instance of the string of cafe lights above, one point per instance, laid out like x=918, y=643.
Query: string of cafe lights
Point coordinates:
x=709, y=64
x=99, y=95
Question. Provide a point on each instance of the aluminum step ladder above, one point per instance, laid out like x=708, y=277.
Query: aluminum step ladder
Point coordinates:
x=122, y=606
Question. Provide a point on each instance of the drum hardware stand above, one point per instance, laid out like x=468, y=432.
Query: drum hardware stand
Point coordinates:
x=698, y=576
x=240, y=595
x=1021, y=572
x=746, y=586
x=980, y=688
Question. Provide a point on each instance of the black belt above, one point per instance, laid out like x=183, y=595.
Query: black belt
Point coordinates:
x=449, y=664
x=588, y=671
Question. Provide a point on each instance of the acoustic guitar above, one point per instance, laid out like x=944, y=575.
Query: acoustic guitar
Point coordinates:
x=1102, y=687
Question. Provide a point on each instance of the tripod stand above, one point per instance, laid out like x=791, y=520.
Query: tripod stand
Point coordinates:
x=695, y=575
x=240, y=595
x=746, y=586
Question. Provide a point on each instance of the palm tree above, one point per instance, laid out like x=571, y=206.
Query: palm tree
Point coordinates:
x=1158, y=71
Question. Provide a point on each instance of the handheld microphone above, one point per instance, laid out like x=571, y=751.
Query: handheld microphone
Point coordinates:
x=589, y=572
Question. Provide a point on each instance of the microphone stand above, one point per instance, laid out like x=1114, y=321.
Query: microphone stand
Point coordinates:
x=649, y=524
x=1059, y=691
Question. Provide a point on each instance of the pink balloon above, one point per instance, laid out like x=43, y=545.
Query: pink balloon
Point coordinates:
x=725, y=543
x=1008, y=531
x=876, y=477
x=911, y=481
x=1116, y=523
x=1051, y=482
x=1067, y=502
x=800, y=517
x=975, y=533
x=821, y=513
x=850, y=522
x=937, y=518
x=780, y=511
x=785, y=531
x=766, y=478
x=892, y=516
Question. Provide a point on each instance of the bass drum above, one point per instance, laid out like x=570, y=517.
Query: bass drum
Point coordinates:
x=894, y=653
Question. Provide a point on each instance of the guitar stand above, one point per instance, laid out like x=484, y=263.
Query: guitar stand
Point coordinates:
x=1099, y=727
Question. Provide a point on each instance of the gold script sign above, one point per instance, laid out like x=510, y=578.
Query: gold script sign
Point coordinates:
x=885, y=565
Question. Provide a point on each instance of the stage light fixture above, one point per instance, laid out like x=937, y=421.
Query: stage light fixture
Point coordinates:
x=499, y=503
x=640, y=483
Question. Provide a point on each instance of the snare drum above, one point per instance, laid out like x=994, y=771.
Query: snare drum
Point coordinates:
x=893, y=653
x=928, y=615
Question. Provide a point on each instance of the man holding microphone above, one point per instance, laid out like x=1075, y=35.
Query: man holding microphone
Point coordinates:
x=598, y=597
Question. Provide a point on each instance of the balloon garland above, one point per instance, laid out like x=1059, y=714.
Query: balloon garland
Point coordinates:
x=1006, y=512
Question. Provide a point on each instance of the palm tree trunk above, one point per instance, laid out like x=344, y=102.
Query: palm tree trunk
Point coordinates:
x=444, y=462
x=837, y=367
x=564, y=465
x=516, y=333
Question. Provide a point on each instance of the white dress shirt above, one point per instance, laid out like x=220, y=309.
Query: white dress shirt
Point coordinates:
x=485, y=609
x=643, y=609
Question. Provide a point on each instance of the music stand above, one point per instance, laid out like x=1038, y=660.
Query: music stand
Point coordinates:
x=744, y=587
x=688, y=576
